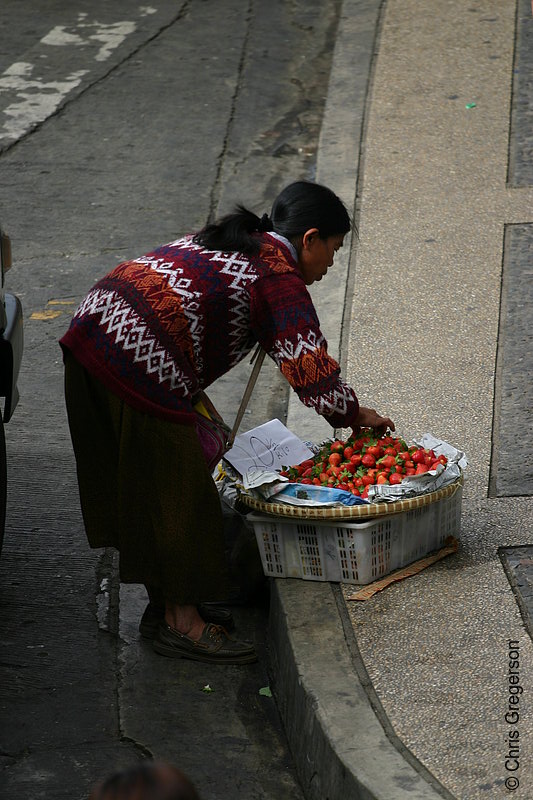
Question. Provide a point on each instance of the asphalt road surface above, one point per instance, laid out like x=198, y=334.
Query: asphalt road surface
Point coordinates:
x=122, y=127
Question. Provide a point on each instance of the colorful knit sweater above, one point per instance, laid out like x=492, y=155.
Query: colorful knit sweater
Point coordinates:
x=158, y=329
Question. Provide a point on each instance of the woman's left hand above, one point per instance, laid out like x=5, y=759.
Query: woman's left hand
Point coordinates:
x=369, y=418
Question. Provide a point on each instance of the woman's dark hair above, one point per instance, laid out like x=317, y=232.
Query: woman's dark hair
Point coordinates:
x=300, y=206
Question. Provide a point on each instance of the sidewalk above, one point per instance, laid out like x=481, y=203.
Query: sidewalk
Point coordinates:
x=405, y=695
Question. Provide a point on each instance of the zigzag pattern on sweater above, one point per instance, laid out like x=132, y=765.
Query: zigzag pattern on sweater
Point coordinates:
x=241, y=272
x=158, y=328
x=190, y=300
x=130, y=332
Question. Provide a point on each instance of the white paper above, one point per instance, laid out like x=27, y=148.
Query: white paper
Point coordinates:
x=440, y=447
x=257, y=478
x=266, y=449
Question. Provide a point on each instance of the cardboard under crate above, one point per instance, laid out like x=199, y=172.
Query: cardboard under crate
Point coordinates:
x=354, y=552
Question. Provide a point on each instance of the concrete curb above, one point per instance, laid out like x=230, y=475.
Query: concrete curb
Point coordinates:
x=338, y=164
x=340, y=748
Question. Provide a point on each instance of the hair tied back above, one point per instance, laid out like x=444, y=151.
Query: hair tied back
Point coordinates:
x=265, y=224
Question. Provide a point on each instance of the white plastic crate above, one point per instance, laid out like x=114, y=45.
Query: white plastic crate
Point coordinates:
x=354, y=552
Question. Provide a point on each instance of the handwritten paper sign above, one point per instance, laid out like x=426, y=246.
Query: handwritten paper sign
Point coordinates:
x=265, y=449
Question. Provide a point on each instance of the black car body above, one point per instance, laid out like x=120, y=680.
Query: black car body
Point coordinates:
x=11, y=348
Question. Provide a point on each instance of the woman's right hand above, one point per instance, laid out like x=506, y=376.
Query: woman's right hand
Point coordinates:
x=369, y=418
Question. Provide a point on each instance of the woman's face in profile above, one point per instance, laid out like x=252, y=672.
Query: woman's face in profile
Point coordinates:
x=316, y=255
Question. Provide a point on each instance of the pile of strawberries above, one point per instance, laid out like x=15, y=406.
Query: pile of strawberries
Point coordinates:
x=361, y=461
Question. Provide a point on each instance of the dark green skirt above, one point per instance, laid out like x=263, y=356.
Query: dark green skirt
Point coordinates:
x=145, y=489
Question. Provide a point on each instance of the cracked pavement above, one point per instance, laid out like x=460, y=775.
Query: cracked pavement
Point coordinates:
x=124, y=127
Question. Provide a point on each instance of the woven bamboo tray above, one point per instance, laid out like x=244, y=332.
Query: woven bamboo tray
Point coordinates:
x=345, y=512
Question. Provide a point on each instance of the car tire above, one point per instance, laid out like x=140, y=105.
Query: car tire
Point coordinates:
x=3, y=481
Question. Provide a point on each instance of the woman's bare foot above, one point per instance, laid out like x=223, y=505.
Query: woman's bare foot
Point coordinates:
x=185, y=620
